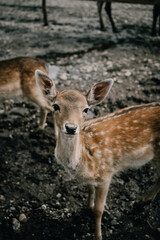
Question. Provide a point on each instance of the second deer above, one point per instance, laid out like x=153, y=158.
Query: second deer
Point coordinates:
x=108, y=9
x=93, y=151
x=17, y=76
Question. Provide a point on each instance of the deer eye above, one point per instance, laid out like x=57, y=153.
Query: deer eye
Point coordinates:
x=86, y=110
x=56, y=107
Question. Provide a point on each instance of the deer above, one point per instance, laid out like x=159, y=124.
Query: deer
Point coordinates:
x=94, y=150
x=108, y=9
x=17, y=77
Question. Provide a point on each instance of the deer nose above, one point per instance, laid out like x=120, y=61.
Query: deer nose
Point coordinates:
x=71, y=128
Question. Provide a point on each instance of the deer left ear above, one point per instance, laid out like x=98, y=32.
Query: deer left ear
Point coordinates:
x=98, y=92
x=45, y=84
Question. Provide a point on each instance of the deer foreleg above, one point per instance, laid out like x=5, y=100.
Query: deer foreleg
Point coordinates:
x=100, y=199
x=156, y=12
x=91, y=196
x=99, y=5
x=43, y=116
x=109, y=13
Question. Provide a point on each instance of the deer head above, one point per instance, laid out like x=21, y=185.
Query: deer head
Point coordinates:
x=71, y=106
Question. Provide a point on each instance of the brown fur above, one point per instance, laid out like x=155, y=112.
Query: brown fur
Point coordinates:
x=95, y=150
x=17, y=76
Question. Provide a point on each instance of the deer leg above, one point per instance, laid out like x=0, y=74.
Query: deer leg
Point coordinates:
x=91, y=196
x=109, y=13
x=99, y=5
x=159, y=19
x=153, y=192
x=55, y=127
x=155, y=189
x=156, y=10
x=43, y=116
x=100, y=199
x=45, y=17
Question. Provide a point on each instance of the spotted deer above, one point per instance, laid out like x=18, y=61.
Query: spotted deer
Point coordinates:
x=94, y=150
x=17, y=76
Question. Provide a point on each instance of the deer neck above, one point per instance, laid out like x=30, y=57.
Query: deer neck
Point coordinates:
x=68, y=151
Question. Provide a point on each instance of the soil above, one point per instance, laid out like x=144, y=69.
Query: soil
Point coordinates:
x=37, y=199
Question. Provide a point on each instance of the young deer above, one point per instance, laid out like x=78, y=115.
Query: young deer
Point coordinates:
x=17, y=76
x=95, y=150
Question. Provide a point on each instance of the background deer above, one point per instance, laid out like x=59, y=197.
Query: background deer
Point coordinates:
x=17, y=76
x=108, y=9
x=93, y=151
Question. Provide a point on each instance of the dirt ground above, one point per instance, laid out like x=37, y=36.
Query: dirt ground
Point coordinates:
x=37, y=199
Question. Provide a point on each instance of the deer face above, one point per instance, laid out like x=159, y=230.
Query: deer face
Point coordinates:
x=70, y=109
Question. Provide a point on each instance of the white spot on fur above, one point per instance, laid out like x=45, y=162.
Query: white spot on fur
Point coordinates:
x=90, y=134
x=106, y=140
x=98, y=153
x=117, y=142
x=119, y=136
x=147, y=130
x=110, y=159
x=93, y=147
x=135, y=121
x=102, y=133
x=107, y=150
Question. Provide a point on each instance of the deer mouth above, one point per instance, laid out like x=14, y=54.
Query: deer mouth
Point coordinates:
x=71, y=134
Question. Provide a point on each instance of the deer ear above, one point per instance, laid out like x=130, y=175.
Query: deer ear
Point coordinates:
x=45, y=84
x=98, y=92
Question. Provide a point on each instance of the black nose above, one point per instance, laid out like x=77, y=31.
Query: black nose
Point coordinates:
x=70, y=128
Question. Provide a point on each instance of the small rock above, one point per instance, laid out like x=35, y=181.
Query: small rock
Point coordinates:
x=63, y=77
x=127, y=73
x=16, y=225
x=58, y=195
x=109, y=64
x=68, y=82
x=12, y=208
x=114, y=222
x=2, y=198
x=44, y=207
x=22, y=218
x=1, y=111
x=89, y=69
x=58, y=204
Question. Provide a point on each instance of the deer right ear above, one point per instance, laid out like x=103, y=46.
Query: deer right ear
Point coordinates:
x=45, y=84
x=98, y=92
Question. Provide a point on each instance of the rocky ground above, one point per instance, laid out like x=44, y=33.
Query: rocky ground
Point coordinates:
x=37, y=199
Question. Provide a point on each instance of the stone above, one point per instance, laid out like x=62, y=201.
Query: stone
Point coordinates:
x=22, y=218
x=16, y=225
